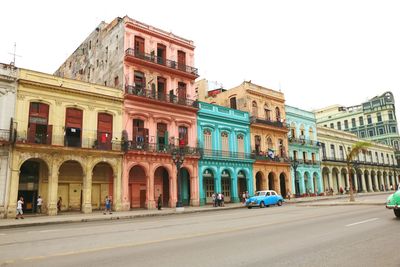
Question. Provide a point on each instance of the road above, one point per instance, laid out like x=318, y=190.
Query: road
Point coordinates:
x=276, y=236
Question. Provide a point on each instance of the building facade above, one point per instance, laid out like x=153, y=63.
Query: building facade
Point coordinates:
x=8, y=78
x=154, y=69
x=226, y=165
x=373, y=120
x=304, y=152
x=376, y=170
x=68, y=144
x=268, y=131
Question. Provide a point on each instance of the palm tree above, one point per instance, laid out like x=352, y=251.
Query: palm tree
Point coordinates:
x=355, y=150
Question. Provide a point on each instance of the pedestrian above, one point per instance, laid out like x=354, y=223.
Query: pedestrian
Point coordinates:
x=222, y=200
x=247, y=195
x=219, y=199
x=214, y=199
x=159, y=202
x=20, y=212
x=39, y=205
x=341, y=190
x=288, y=195
x=244, y=197
x=59, y=204
x=108, y=205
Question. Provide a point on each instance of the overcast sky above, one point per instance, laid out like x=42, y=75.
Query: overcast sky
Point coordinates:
x=318, y=53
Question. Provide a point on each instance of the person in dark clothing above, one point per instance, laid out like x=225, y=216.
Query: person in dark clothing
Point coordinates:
x=159, y=202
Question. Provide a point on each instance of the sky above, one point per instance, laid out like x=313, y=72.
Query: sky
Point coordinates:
x=318, y=53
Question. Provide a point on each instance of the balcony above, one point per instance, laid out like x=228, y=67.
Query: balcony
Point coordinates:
x=158, y=148
x=219, y=154
x=162, y=62
x=306, y=162
x=359, y=162
x=272, y=158
x=166, y=98
x=4, y=135
x=303, y=141
x=101, y=142
x=278, y=124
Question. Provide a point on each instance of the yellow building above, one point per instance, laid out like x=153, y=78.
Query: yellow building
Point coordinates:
x=269, y=142
x=67, y=145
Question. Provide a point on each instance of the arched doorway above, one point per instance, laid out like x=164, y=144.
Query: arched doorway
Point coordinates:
x=282, y=179
x=208, y=186
x=259, y=182
x=102, y=185
x=325, y=175
x=32, y=176
x=137, y=187
x=360, y=181
x=241, y=183
x=307, y=183
x=226, y=185
x=70, y=182
x=185, y=176
x=161, y=186
x=366, y=180
x=344, y=178
x=335, y=178
x=271, y=181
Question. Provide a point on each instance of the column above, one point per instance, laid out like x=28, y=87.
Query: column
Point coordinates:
x=150, y=203
x=355, y=182
x=194, y=194
x=234, y=188
x=363, y=184
x=87, y=191
x=370, y=189
x=52, y=190
x=117, y=198
x=339, y=178
x=302, y=184
x=217, y=182
x=330, y=181
x=378, y=188
x=202, y=191
x=13, y=196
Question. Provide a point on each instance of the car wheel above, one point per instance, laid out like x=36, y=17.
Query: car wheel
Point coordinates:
x=249, y=207
x=397, y=213
x=279, y=203
x=262, y=205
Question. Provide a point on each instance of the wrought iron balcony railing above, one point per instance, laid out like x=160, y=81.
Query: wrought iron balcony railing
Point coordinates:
x=266, y=157
x=158, y=148
x=279, y=124
x=152, y=94
x=220, y=154
x=359, y=162
x=306, y=162
x=303, y=141
x=162, y=61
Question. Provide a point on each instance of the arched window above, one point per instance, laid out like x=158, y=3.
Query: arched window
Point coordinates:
x=224, y=142
x=207, y=140
x=257, y=143
x=311, y=134
x=254, y=108
x=240, y=145
x=270, y=144
x=293, y=130
x=302, y=132
x=183, y=136
x=267, y=112
x=277, y=114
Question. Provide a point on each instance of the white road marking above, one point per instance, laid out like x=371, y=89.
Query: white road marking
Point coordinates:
x=369, y=220
x=43, y=231
x=2, y=234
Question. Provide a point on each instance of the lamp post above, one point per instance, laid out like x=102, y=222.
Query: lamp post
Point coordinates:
x=295, y=164
x=178, y=156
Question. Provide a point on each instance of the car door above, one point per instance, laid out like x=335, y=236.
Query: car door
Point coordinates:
x=274, y=198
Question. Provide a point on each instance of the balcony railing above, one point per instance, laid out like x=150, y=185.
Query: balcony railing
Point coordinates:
x=99, y=143
x=306, y=162
x=4, y=135
x=279, y=124
x=210, y=153
x=162, y=61
x=167, y=98
x=266, y=157
x=303, y=141
x=158, y=148
x=359, y=162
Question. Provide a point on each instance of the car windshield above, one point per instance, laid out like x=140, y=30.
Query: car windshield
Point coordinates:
x=258, y=194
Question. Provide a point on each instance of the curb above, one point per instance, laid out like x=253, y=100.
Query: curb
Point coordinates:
x=345, y=204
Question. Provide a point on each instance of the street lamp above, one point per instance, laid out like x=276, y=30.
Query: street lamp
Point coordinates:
x=178, y=156
x=295, y=164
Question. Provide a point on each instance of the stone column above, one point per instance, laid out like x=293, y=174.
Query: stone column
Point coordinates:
x=13, y=196
x=150, y=203
x=330, y=181
x=378, y=188
x=363, y=183
x=356, y=181
x=125, y=201
x=117, y=197
x=217, y=182
x=302, y=183
x=194, y=194
x=52, y=190
x=370, y=189
x=87, y=190
x=339, y=178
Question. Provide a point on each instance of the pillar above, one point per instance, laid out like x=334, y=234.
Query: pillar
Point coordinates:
x=234, y=188
x=13, y=196
x=330, y=181
x=363, y=183
x=87, y=191
x=370, y=189
x=117, y=197
x=377, y=186
x=150, y=203
x=52, y=190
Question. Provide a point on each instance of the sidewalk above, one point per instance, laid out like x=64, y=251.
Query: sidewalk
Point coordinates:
x=71, y=217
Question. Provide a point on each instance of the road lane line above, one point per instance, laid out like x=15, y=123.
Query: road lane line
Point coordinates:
x=369, y=220
x=2, y=234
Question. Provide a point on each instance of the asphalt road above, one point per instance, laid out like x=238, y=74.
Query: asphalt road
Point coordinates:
x=276, y=236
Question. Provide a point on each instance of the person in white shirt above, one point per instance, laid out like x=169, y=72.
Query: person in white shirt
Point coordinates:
x=39, y=205
x=19, y=208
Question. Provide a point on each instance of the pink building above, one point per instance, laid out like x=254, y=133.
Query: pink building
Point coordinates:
x=154, y=68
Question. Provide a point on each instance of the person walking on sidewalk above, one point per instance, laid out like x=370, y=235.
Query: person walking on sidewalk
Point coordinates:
x=20, y=212
x=39, y=205
x=59, y=204
x=159, y=202
x=108, y=205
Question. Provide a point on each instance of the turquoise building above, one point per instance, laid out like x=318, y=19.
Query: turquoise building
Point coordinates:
x=304, y=151
x=225, y=165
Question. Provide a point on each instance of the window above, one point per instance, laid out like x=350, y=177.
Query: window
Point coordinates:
x=139, y=81
x=302, y=133
x=313, y=157
x=381, y=131
x=393, y=129
x=304, y=156
x=116, y=81
x=341, y=152
x=339, y=125
x=392, y=159
x=207, y=142
x=139, y=45
x=361, y=121
x=269, y=143
x=323, y=148
x=346, y=124
x=332, y=126
x=161, y=54
x=390, y=115
x=333, y=151
x=362, y=134
x=183, y=136
x=267, y=112
x=161, y=88
x=181, y=92
x=294, y=154
x=224, y=142
x=240, y=144
x=278, y=114
x=254, y=111
x=369, y=119
x=371, y=133
x=379, y=116
x=232, y=102
x=353, y=122
x=181, y=60
x=383, y=158
x=376, y=156
x=257, y=143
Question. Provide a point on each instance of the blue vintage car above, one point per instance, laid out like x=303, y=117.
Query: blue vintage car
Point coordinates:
x=264, y=198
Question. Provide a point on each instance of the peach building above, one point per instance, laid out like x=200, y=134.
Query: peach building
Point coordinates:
x=155, y=70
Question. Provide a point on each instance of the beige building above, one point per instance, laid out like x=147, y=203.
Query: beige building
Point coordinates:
x=373, y=171
x=67, y=145
x=268, y=131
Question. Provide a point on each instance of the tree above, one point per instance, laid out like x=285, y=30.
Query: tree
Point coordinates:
x=357, y=148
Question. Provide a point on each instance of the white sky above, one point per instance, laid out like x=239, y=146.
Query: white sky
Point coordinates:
x=318, y=52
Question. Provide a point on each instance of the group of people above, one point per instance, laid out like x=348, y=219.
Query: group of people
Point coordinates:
x=218, y=199
x=245, y=196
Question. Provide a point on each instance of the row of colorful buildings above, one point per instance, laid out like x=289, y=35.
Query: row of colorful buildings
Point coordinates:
x=125, y=117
